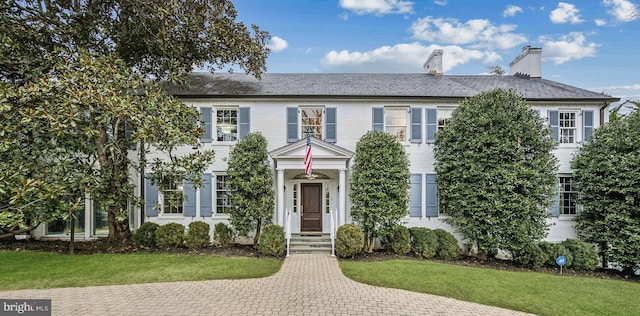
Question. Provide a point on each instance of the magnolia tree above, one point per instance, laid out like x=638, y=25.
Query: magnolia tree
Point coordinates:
x=251, y=181
x=607, y=176
x=77, y=89
x=496, y=173
x=379, y=188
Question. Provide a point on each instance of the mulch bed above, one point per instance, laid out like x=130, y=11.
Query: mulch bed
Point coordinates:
x=107, y=246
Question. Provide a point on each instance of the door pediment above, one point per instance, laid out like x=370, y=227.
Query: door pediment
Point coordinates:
x=320, y=150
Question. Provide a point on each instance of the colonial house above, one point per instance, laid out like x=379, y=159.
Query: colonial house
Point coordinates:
x=338, y=109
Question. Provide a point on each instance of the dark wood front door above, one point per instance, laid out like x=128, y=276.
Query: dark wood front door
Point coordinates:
x=311, y=207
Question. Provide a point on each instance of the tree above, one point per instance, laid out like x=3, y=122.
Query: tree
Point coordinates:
x=75, y=78
x=496, y=173
x=496, y=70
x=379, y=185
x=251, y=181
x=607, y=177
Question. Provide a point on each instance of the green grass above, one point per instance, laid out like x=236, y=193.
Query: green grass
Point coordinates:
x=40, y=270
x=538, y=293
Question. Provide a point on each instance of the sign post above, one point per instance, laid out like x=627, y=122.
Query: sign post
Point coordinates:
x=561, y=261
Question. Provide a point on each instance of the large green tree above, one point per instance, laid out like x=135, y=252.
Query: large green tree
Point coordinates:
x=77, y=76
x=496, y=173
x=607, y=176
x=379, y=188
x=251, y=181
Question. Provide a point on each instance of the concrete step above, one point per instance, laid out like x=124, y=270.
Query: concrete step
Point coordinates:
x=306, y=243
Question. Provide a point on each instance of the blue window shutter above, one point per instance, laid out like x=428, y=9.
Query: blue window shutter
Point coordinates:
x=587, y=125
x=554, y=117
x=415, y=194
x=206, y=197
x=128, y=135
x=416, y=125
x=189, y=205
x=432, y=196
x=292, y=125
x=208, y=126
x=432, y=125
x=244, y=119
x=150, y=198
x=331, y=125
x=555, y=207
x=378, y=119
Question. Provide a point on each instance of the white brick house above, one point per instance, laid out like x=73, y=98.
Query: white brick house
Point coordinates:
x=339, y=109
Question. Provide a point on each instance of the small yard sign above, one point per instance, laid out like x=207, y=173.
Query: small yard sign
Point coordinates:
x=561, y=261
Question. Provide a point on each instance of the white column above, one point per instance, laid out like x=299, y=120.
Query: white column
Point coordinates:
x=342, y=209
x=280, y=188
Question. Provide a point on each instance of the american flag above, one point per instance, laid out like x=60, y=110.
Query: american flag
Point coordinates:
x=307, y=157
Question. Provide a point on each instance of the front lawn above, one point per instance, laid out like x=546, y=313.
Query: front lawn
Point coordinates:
x=533, y=292
x=41, y=270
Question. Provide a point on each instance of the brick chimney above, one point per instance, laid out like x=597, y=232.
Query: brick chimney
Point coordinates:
x=433, y=65
x=528, y=63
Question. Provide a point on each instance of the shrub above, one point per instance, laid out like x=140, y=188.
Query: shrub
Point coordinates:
x=401, y=241
x=424, y=242
x=531, y=256
x=553, y=251
x=585, y=256
x=223, y=234
x=448, y=248
x=349, y=240
x=271, y=241
x=197, y=235
x=170, y=235
x=146, y=234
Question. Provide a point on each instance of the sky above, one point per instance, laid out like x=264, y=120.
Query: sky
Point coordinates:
x=591, y=44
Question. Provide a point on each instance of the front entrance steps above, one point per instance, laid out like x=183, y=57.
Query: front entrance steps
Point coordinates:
x=306, y=243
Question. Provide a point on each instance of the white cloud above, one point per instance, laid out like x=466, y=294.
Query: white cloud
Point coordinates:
x=277, y=44
x=511, y=10
x=441, y=2
x=570, y=47
x=565, y=13
x=401, y=58
x=480, y=33
x=622, y=10
x=600, y=22
x=377, y=7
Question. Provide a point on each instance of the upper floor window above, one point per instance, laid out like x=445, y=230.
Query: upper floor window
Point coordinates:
x=312, y=119
x=395, y=123
x=568, y=197
x=172, y=198
x=444, y=118
x=227, y=125
x=567, y=127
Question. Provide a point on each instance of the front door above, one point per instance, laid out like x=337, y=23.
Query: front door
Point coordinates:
x=311, y=207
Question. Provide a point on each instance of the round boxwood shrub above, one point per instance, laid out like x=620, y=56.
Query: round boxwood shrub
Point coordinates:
x=531, y=256
x=197, y=235
x=146, y=234
x=271, y=241
x=401, y=241
x=585, y=256
x=349, y=240
x=424, y=242
x=223, y=234
x=448, y=248
x=170, y=235
x=553, y=251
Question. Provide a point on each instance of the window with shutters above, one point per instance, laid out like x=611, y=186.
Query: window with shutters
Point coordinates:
x=311, y=119
x=320, y=121
x=395, y=123
x=172, y=198
x=568, y=197
x=444, y=117
x=227, y=125
x=567, y=127
x=223, y=195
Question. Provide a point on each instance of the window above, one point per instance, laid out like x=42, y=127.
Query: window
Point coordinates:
x=444, y=118
x=567, y=197
x=227, y=125
x=172, y=198
x=223, y=195
x=567, y=127
x=327, y=202
x=395, y=123
x=311, y=118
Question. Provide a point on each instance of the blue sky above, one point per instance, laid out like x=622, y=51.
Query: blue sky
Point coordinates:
x=591, y=44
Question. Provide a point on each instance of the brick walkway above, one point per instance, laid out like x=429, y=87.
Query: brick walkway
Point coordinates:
x=306, y=285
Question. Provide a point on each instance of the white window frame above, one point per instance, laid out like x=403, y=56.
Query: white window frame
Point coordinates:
x=572, y=196
x=561, y=138
x=407, y=122
x=225, y=189
x=214, y=122
x=179, y=187
x=303, y=127
x=444, y=120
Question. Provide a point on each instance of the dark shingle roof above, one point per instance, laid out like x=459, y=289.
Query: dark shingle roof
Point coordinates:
x=375, y=85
